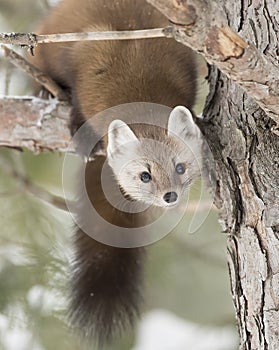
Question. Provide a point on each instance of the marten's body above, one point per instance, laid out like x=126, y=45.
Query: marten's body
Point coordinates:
x=106, y=280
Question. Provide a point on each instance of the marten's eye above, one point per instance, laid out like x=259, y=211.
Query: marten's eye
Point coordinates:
x=180, y=168
x=145, y=177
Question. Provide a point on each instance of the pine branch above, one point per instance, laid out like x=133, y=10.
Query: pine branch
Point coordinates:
x=199, y=24
x=29, y=187
x=31, y=39
x=35, y=124
x=35, y=73
x=202, y=25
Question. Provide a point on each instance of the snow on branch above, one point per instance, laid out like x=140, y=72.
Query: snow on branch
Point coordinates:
x=35, y=124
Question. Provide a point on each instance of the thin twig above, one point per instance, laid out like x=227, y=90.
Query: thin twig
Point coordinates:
x=31, y=39
x=8, y=75
x=30, y=187
x=35, y=73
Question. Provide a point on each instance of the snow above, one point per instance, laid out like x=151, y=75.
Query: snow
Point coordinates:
x=162, y=330
x=47, y=300
x=16, y=337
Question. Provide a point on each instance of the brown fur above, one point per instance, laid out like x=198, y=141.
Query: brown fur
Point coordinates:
x=106, y=280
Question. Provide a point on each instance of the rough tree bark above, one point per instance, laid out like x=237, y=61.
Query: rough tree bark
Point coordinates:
x=247, y=166
x=246, y=153
x=35, y=124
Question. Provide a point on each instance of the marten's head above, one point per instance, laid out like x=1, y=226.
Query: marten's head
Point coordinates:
x=156, y=171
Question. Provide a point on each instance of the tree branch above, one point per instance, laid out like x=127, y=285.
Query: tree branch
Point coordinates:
x=35, y=73
x=200, y=24
x=203, y=26
x=34, y=124
x=29, y=187
x=31, y=39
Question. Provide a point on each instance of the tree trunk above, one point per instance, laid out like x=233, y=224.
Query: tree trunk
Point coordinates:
x=246, y=153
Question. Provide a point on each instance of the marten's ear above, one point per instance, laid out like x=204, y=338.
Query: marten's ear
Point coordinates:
x=181, y=124
x=119, y=134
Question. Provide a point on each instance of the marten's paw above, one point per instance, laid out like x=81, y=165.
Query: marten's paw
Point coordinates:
x=88, y=143
x=76, y=120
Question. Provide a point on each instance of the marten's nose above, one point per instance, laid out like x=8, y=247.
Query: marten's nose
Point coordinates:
x=170, y=197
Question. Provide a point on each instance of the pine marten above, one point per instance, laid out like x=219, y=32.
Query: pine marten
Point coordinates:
x=106, y=280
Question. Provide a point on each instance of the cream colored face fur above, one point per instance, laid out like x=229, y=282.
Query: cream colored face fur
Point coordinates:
x=156, y=172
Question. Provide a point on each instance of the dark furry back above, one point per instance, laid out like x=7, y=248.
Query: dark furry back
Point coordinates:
x=105, y=288
x=106, y=281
